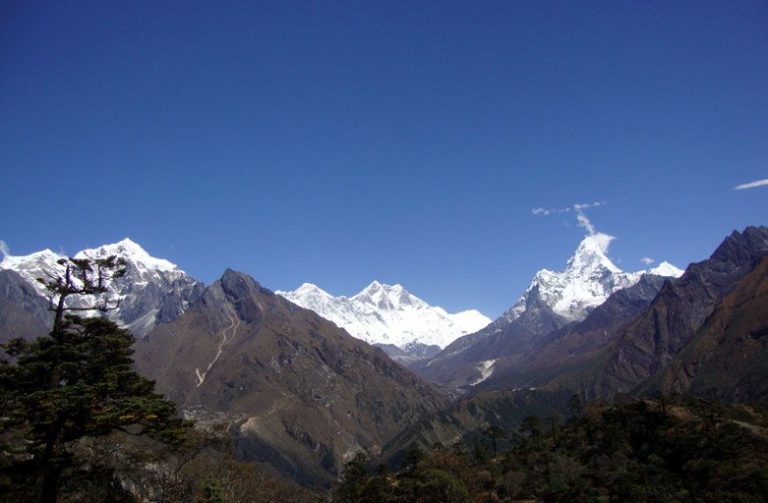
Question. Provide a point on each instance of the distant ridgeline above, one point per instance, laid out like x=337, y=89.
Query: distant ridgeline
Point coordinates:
x=300, y=395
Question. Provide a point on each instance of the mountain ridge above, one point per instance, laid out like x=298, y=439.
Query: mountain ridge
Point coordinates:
x=297, y=391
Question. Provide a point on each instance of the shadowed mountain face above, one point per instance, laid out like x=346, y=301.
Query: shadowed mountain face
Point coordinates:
x=23, y=312
x=653, y=341
x=461, y=364
x=300, y=393
x=727, y=359
x=567, y=350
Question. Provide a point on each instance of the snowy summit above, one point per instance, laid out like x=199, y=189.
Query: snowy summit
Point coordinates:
x=588, y=279
x=144, y=293
x=389, y=314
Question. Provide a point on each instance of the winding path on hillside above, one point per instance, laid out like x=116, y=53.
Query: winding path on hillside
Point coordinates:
x=227, y=336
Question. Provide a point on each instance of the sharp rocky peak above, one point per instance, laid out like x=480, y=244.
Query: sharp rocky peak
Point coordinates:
x=237, y=280
x=591, y=254
x=743, y=248
x=589, y=278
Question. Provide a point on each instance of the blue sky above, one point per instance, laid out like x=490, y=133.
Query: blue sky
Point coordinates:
x=341, y=142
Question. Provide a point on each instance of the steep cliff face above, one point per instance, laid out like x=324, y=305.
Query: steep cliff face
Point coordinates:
x=727, y=359
x=652, y=342
x=299, y=392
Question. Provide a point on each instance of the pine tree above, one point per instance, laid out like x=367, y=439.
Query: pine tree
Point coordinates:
x=74, y=383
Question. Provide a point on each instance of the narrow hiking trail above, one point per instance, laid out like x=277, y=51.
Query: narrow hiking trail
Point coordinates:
x=227, y=336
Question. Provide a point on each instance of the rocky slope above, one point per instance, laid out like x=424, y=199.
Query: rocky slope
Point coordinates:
x=299, y=392
x=405, y=326
x=727, y=359
x=651, y=342
x=153, y=290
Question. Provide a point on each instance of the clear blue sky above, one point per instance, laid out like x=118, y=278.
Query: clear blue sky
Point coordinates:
x=341, y=142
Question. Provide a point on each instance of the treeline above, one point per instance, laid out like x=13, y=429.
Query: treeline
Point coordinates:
x=642, y=451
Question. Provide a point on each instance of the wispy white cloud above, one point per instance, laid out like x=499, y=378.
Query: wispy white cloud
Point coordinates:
x=752, y=185
x=576, y=207
x=548, y=211
x=586, y=206
x=4, y=249
x=647, y=260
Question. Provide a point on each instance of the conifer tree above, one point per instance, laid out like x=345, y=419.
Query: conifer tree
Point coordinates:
x=74, y=383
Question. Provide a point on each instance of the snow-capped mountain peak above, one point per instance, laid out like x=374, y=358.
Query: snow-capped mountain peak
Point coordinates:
x=311, y=289
x=37, y=260
x=591, y=255
x=388, y=314
x=388, y=297
x=588, y=279
x=153, y=289
x=666, y=269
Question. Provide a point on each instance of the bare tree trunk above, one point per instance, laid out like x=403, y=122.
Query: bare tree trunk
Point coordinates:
x=51, y=469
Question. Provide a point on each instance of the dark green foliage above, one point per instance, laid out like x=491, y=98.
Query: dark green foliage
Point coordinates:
x=643, y=451
x=74, y=384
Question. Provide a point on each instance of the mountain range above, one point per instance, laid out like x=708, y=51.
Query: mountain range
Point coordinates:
x=704, y=334
x=552, y=301
x=299, y=393
x=662, y=335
